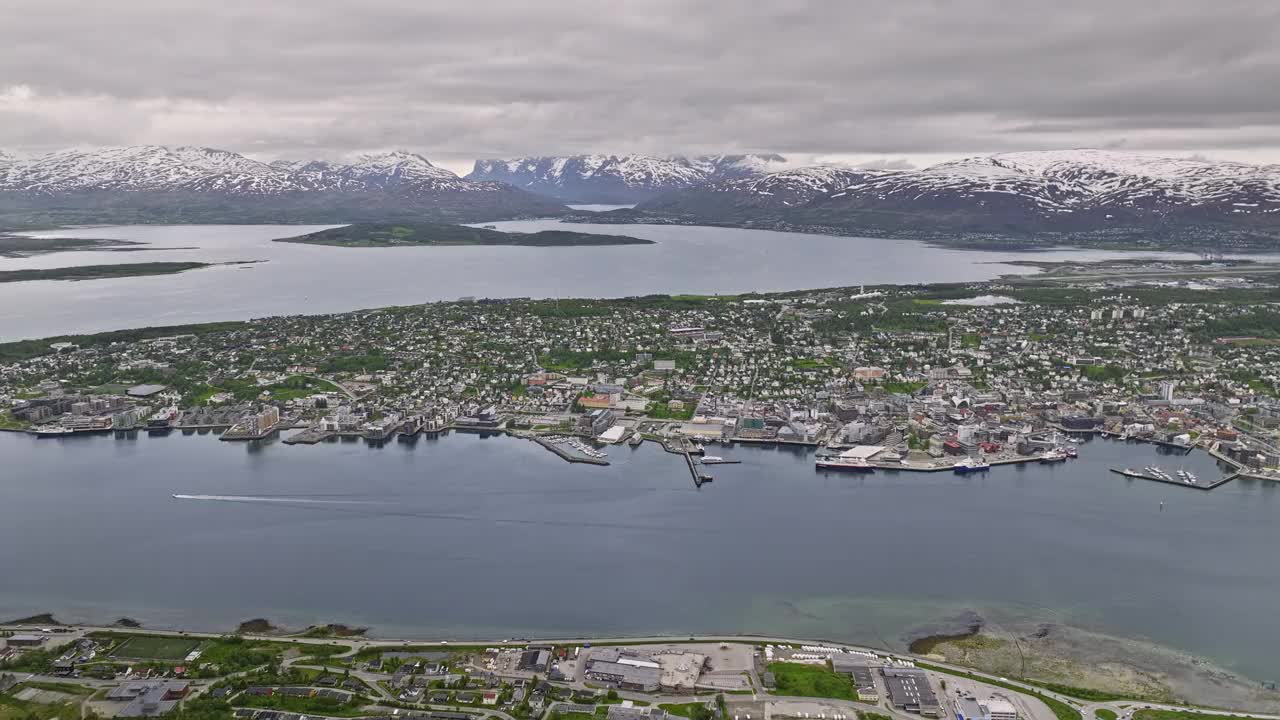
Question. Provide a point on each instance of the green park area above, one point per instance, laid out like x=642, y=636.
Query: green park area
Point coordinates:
x=799, y=680
x=664, y=411
x=331, y=707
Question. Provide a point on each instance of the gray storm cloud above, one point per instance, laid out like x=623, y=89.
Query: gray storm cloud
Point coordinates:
x=455, y=80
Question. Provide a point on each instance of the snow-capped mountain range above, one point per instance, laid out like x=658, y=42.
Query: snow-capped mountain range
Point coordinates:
x=1064, y=190
x=1009, y=194
x=620, y=178
x=153, y=183
x=155, y=168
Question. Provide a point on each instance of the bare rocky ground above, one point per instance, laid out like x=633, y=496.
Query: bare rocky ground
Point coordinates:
x=1080, y=658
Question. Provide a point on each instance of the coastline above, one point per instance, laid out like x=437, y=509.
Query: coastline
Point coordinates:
x=1235, y=692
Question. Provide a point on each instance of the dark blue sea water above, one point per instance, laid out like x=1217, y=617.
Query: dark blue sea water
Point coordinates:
x=470, y=537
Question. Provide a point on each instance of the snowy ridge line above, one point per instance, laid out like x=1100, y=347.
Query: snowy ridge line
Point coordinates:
x=630, y=172
x=155, y=168
x=1046, y=182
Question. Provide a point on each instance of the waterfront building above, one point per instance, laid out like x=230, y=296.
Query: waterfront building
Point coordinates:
x=909, y=690
x=25, y=640
x=996, y=708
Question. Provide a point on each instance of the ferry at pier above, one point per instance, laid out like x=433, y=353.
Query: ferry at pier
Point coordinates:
x=846, y=464
x=971, y=465
x=46, y=431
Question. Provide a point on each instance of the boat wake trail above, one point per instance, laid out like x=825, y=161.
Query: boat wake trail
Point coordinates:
x=272, y=499
x=390, y=510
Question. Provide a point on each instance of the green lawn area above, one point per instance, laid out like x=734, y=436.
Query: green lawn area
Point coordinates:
x=693, y=711
x=1105, y=714
x=1177, y=715
x=153, y=647
x=904, y=388
x=811, y=681
x=304, y=705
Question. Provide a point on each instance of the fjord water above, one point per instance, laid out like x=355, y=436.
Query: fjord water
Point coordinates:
x=471, y=537
x=310, y=279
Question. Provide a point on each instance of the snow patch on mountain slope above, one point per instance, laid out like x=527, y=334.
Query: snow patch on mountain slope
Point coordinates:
x=638, y=172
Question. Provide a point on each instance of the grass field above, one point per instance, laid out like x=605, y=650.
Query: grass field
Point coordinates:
x=14, y=709
x=69, y=688
x=693, y=711
x=147, y=647
x=1177, y=715
x=811, y=681
x=1105, y=714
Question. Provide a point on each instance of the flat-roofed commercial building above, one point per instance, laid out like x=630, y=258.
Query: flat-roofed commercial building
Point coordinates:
x=624, y=676
x=909, y=690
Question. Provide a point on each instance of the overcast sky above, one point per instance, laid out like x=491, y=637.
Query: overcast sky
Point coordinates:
x=876, y=82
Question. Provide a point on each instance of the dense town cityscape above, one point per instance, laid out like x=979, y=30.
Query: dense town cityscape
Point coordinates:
x=926, y=377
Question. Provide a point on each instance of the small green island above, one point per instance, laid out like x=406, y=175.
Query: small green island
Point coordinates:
x=100, y=272
x=20, y=246
x=418, y=234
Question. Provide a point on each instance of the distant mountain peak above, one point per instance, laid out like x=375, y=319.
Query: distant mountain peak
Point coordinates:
x=619, y=178
x=392, y=157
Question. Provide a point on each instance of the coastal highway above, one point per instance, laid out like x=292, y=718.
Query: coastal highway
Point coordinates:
x=1087, y=709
